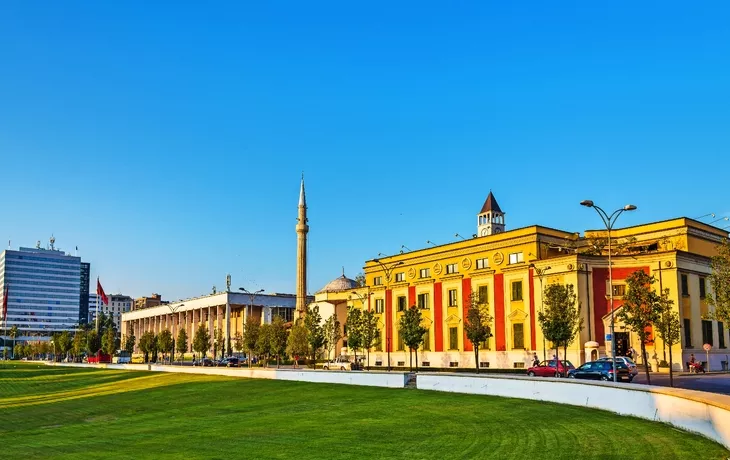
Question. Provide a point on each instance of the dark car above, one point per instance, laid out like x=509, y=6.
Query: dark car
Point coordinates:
x=229, y=362
x=601, y=370
x=205, y=362
x=547, y=369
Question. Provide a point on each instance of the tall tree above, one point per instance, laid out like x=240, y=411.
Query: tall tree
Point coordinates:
x=129, y=342
x=370, y=331
x=332, y=334
x=93, y=342
x=164, y=340
x=263, y=343
x=182, y=344
x=238, y=344
x=146, y=344
x=79, y=342
x=411, y=330
x=315, y=333
x=278, y=338
x=298, y=342
x=641, y=309
x=668, y=328
x=201, y=341
x=477, y=325
x=109, y=342
x=64, y=343
x=354, y=329
x=251, y=337
x=219, y=342
x=719, y=295
x=560, y=319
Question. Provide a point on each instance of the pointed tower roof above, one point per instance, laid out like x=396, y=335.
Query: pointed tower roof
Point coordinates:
x=490, y=204
x=302, y=197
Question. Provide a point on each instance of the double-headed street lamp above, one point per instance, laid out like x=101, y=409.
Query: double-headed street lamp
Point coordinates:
x=610, y=221
x=173, y=310
x=540, y=274
x=387, y=270
x=251, y=297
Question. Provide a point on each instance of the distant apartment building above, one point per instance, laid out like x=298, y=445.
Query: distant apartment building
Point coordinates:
x=44, y=289
x=118, y=304
x=84, y=292
x=146, y=302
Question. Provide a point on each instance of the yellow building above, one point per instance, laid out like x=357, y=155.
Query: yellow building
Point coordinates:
x=508, y=268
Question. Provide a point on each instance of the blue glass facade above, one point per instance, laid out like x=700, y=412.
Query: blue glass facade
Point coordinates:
x=44, y=291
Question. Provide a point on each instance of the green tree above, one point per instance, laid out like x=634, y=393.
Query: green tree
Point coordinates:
x=19, y=351
x=13, y=335
x=109, y=342
x=354, y=329
x=147, y=345
x=332, y=334
x=560, y=319
x=477, y=325
x=238, y=344
x=668, y=328
x=79, y=342
x=93, y=342
x=315, y=333
x=719, y=295
x=298, y=342
x=278, y=338
x=410, y=328
x=164, y=340
x=63, y=345
x=219, y=342
x=251, y=337
x=642, y=308
x=129, y=342
x=370, y=332
x=182, y=344
x=201, y=341
x=263, y=343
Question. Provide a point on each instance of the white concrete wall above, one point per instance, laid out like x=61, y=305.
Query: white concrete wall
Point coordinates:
x=707, y=414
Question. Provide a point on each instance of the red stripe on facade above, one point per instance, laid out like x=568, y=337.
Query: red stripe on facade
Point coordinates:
x=600, y=294
x=499, y=312
x=533, y=328
x=411, y=295
x=389, y=320
x=466, y=297
x=438, y=317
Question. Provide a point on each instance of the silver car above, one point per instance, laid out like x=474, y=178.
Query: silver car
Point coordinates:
x=633, y=370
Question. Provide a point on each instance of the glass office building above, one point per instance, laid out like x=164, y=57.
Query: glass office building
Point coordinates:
x=44, y=290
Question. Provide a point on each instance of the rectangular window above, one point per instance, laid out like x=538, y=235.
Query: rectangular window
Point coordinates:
x=402, y=304
x=721, y=334
x=482, y=263
x=379, y=305
x=453, y=338
x=401, y=344
x=400, y=277
x=379, y=344
x=451, y=268
x=423, y=301
x=483, y=294
x=453, y=298
x=619, y=290
x=426, y=346
x=517, y=290
x=518, y=335
x=425, y=273
x=707, y=332
x=516, y=258
x=702, y=288
x=685, y=285
x=378, y=280
x=687, y=333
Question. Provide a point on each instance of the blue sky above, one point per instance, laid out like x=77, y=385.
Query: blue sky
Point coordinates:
x=167, y=140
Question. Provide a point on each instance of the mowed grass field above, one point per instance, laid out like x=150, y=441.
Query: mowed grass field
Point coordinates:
x=70, y=413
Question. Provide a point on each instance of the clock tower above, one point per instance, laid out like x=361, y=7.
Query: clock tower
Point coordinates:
x=490, y=219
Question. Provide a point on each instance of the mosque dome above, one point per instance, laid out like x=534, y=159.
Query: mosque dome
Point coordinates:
x=341, y=283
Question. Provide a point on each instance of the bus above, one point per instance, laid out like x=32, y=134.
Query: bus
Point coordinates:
x=122, y=357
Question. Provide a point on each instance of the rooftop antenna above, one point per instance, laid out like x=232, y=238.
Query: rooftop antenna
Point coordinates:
x=402, y=247
x=53, y=241
x=459, y=236
x=37, y=244
x=431, y=242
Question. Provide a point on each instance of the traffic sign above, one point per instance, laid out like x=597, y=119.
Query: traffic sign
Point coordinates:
x=608, y=337
x=707, y=347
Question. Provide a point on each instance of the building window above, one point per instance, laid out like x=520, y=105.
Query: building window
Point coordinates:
x=378, y=281
x=401, y=343
x=425, y=273
x=379, y=305
x=707, y=332
x=452, y=268
x=482, y=263
x=453, y=338
x=702, y=288
x=423, y=301
x=518, y=336
x=426, y=346
x=516, y=258
x=687, y=333
x=379, y=343
x=402, y=304
x=685, y=286
x=619, y=290
x=483, y=295
x=517, y=290
x=721, y=334
x=400, y=277
x=453, y=298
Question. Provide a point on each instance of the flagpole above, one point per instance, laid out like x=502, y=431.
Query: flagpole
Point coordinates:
x=97, y=305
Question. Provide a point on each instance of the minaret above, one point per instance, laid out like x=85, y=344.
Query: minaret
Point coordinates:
x=302, y=230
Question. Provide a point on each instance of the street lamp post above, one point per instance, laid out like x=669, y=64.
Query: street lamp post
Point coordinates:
x=251, y=297
x=173, y=310
x=610, y=221
x=387, y=270
x=540, y=274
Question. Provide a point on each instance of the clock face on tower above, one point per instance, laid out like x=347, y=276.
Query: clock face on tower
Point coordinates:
x=485, y=231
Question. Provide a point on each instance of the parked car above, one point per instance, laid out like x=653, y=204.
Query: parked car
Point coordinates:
x=601, y=370
x=341, y=362
x=633, y=370
x=547, y=369
x=205, y=362
x=229, y=362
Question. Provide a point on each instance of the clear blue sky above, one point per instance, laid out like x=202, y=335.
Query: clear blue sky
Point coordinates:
x=167, y=140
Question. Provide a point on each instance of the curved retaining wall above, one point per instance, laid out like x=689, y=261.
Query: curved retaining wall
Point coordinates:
x=699, y=412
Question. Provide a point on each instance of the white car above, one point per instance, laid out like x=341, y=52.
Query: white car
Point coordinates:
x=341, y=362
x=633, y=370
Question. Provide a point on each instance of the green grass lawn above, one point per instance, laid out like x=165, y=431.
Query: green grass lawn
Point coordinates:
x=64, y=413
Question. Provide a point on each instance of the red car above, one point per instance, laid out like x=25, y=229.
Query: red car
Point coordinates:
x=547, y=369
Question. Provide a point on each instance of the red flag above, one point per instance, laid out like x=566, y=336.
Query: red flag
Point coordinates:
x=5, y=303
x=100, y=293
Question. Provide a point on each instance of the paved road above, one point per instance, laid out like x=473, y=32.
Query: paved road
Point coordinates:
x=714, y=383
